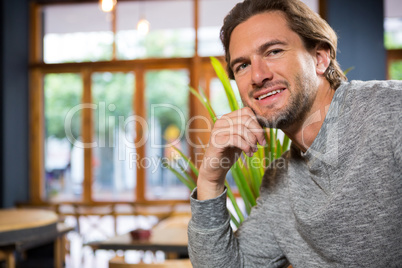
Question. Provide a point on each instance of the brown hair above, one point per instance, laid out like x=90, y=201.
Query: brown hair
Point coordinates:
x=311, y=28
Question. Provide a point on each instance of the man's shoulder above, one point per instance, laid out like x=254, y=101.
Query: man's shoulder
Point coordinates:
x=370, y=112
x=376, y=94
x=373, y=86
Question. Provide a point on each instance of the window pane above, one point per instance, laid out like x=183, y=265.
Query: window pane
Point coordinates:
x=393, y=33
x=395, y=71
x=64, y=160
x=167, y=101
x=313, y=4
x=113, y=155
x=76, y=33
x=212, y=13
x=393, y=24
x=171, y=34
x=219, y=101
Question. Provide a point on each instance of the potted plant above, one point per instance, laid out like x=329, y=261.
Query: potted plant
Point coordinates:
x=247, y=176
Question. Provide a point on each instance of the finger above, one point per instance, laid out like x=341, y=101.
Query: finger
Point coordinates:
x=254, y=125
x=255, y=128
x=244, y=138
x=245, y=117
x=240, y=143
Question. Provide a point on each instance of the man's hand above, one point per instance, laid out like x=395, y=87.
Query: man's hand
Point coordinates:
x=233, y=133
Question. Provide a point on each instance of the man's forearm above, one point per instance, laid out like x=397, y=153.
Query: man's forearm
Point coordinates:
x=208, y=230
x=207, y=189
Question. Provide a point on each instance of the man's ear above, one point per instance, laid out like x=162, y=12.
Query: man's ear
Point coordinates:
x=323, y=59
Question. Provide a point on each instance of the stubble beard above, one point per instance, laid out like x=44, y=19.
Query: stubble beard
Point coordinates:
x=302, y=97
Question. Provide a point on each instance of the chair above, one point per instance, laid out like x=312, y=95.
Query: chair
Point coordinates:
x=8, y=258
x=118, y=262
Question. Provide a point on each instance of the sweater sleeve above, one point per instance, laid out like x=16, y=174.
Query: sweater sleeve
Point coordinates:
x=212, y=243
x=397, y=140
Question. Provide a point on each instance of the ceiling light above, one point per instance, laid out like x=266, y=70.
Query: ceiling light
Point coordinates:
x=143, y=26
x=107, y=5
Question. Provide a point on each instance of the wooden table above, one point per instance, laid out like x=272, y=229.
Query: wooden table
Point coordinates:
x=23, y=229
x=119, y=262
x=169, y=235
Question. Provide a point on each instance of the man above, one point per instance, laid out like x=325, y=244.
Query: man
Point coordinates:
x=337, y=201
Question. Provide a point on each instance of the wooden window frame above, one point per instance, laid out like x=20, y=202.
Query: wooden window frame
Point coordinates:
x=393, y=55
x=196, y=66
x=200, y=70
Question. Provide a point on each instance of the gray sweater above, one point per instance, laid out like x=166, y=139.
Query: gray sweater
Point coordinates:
x=337, y=205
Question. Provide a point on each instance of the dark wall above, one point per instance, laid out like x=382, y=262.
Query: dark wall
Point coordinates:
x=359, y=25
x=14, y=184
x=1, y=100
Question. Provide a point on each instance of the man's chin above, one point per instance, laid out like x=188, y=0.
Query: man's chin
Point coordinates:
x=281, y=121
x=266, y=122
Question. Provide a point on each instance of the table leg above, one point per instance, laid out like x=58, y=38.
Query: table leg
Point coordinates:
x=171, y=255
x=9, y=257
x=58, y=256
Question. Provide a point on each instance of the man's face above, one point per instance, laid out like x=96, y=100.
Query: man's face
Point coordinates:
x=274, y=72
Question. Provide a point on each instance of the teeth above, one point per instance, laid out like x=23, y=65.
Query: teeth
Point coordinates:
x=270, y=94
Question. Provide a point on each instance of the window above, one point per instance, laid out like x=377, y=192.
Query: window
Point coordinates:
x=395, y=70
x=76, y=33
x=393, y=38
x=169, y=36
x=113, y=99
x=114, y=175
x=63, y=161
x=167, y=98
x=106, y=99
x=393, y=33
x=82, y=32
x=218, y=97
x=212, y=13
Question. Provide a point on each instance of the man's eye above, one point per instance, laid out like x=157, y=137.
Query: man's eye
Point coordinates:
x=275, y=52
x=241, y=67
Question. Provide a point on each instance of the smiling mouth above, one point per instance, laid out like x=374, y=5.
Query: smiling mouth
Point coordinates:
x=269, y=94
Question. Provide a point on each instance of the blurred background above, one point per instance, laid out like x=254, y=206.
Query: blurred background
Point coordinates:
x=93, y=99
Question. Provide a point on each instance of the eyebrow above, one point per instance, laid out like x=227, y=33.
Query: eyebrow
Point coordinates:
x=261, y=49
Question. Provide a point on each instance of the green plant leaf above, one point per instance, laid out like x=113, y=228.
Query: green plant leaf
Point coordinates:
x=205, y=104
x=278, y=148
x=232, y=198
x=272, y=145
x=255, y=174
x=181, y=177
x=286, y=142
x=243, y=187
x=221, y=73
x=191, y=164
x=187, y=176
x=234, y=220
x=348, y=70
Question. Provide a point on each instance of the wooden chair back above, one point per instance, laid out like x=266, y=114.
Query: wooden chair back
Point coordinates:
x=118, y=262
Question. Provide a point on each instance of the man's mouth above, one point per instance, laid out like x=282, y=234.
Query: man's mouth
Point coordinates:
x=271, y=93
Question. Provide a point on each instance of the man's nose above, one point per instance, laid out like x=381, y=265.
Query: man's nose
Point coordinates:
x=260, y=72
